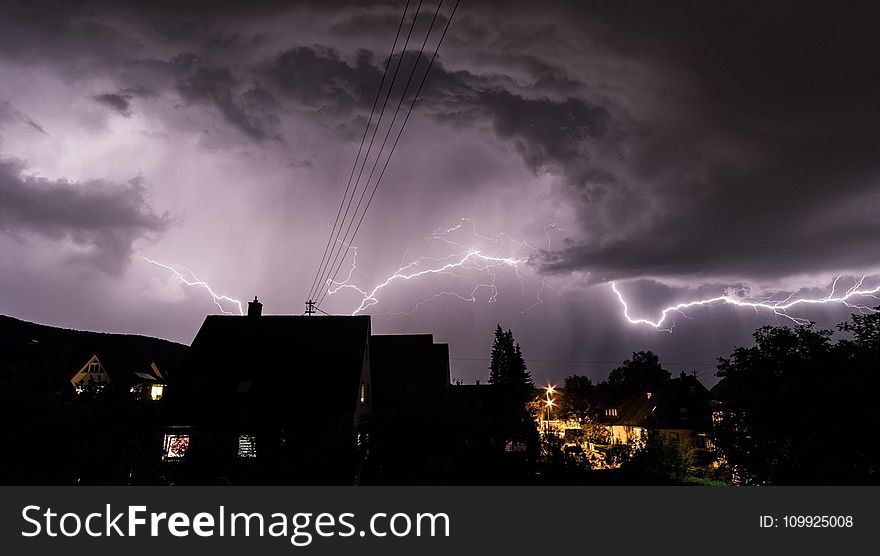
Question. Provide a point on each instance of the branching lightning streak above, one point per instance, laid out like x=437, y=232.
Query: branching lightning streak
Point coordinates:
x=195, y=281
x=469, y=258
x=479, y=257
x=778, y=308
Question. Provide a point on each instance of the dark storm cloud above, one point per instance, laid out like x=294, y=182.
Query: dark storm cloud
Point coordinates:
x=761, y=123
x=794, y=89
x=218, y=86
x=118, y=102
x=102, y=218
x=321, y=79
x=550, y=133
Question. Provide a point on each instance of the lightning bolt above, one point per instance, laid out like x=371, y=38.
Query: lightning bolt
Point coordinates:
x=779, y=308
x=481, y=256
x=196, y=282
x=467, y=258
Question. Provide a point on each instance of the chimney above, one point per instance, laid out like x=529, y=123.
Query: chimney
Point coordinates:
x=255, y=308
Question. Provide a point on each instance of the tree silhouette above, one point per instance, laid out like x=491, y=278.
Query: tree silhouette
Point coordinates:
x=579, y=400
x=513, y=389
x=797, y=408
x=508, y=368
x=640, y=373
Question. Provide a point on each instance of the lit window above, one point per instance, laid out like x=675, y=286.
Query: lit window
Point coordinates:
x=156, y=392
x=247, y=446
x=175, y=447
x=611, y=412
x=363, y=395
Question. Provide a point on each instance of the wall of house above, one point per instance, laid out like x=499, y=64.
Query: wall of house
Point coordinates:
x=626, y=434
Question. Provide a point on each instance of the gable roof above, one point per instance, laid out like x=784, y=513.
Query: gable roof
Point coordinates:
x=123, y=368
x=309, y=361
x=679, y=403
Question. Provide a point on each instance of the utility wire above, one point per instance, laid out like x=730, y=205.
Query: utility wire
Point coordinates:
x=403, y=125
x=598, y=361
x=334, y=242
x=342, y=249
x=312, y=290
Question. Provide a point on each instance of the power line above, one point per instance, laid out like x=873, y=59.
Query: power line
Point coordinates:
x=403, y=125
x=342, y=248
x=342, y=244
x=597, y=361
x=330, y=239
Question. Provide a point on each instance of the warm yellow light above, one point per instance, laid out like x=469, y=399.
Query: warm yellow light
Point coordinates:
x=550, y=389
x=157, y=391
x=549, y=403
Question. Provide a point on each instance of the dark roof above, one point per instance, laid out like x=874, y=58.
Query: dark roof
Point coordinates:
x=680, y=403
x=302, y=362
x=407, y=371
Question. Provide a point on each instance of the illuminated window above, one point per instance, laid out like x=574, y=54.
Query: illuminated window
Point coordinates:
x=247, y=446
x=175, y=447
x=363, y=395
x=611, y=412
x=156, y=391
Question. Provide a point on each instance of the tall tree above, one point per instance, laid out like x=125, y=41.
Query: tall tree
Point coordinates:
x=513, y=389
x=507, y=367
x=579, y=399
x=797, y=408
x=642, y=372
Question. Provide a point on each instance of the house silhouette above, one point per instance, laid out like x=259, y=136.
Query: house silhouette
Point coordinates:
x=277, y=399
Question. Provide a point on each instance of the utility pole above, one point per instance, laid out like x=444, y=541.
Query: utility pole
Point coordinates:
x=310, y=307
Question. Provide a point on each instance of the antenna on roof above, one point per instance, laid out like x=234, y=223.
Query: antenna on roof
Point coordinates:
x=312, y=308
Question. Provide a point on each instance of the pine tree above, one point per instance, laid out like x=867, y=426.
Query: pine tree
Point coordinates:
x=513, y=389
x=507, y=367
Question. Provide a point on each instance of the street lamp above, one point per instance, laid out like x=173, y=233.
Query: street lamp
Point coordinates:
x=549, y=390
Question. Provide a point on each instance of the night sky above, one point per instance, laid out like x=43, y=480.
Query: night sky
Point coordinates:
x=683, y=150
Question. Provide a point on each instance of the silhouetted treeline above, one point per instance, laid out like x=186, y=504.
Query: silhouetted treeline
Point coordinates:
x=801, y=408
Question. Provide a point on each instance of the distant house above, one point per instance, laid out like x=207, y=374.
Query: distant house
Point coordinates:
x=678, y=410
x=92, y=376
x=138, y=375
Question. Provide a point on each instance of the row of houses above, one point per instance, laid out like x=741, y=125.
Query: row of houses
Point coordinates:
x=278, y=399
